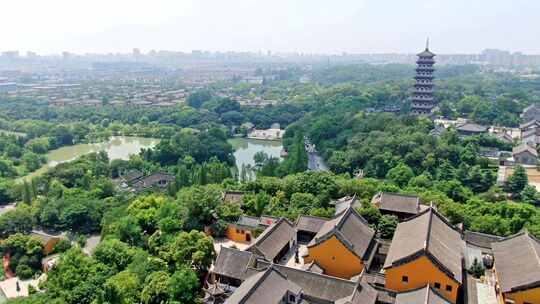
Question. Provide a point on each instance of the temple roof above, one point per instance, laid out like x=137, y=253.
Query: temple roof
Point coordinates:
x=234, y=263
x=517, y=260
x=524, y=148
x=269, y=286
x=423, y=295
x=310, y=223
x=350, y=228
x=273, y=239
x=426, y=53
x=327, y=288
x=396, y=202
x=428, y=234
x=345, y=202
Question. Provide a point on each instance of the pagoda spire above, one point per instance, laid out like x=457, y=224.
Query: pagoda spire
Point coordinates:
x=422, y=100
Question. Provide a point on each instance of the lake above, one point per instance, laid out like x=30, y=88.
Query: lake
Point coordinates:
x=121, y=147
x=245, y=149
x=117, y=147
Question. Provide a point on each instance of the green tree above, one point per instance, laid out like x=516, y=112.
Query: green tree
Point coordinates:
x=26, y=253
x=27, y=192
x=156, y=289
x=196, y=99
x=184, y=285
x=387, y=226
x=6, y=190
x=122, y=288
x=114, y=253
x=529, y=195
x=371, y=214
x=424, y=180
x=31, y=161
x=400, y=174
x=20, y=220
x=229, y=212
x=145, y=210
x=297, y=160
x=255, y=204
x=77, y=278
x=126, y=229
x=476, y=269
x=193, y=248
x=517, y=181
x=199, y=203
x=301, y=203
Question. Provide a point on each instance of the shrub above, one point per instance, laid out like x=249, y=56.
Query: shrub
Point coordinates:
x=476, y=269
x=62, y=246
x=24, y=271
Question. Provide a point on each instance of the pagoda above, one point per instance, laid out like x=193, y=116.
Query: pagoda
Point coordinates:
x=422, y=101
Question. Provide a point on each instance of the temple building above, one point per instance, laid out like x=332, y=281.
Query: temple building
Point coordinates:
x=426, y=250
x=517, y=264
x=343, y=246
x=422, y=101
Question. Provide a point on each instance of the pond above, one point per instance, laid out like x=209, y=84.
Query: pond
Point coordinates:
x=117, y=147
x=245, y=149
x=121, y=147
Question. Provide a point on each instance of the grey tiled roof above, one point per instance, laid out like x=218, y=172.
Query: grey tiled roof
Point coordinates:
x=529, y=123
x=310, y=223
x=273, y=239
x=517, y=261
x=350, y=228
x=248, y=221
x=362, y=294
x=270, y=281
x=430, y=234
x=345, y=202
x=132, y=175
x=320, y=286
x=524, y=148
x=480, y=239
x=313, y=267
x=153, y=180
x=529, y=133
x=269, y=286
x=472, y=127
x=426, y=53
x=396, y=202
x=233, y=196
x=234, y=263
x=255, y=222
x=424, y=295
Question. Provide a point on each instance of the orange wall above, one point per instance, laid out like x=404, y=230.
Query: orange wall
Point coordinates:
x=335, y=259
x=529, y=296
x=49, y=247
x=233, y=235
x=420, y=272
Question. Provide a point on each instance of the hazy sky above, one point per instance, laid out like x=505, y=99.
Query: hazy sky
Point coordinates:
x=310, y=26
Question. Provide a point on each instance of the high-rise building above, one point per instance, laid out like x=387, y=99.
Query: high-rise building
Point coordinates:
x=422, y=101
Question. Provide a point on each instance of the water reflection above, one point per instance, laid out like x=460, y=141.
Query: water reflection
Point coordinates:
x=245, y=149
x=117, y=147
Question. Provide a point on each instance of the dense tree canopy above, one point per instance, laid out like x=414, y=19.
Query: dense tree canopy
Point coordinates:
x=153, y=248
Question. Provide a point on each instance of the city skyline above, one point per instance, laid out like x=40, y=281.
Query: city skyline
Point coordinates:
x=151, y=52
x=456, y=27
